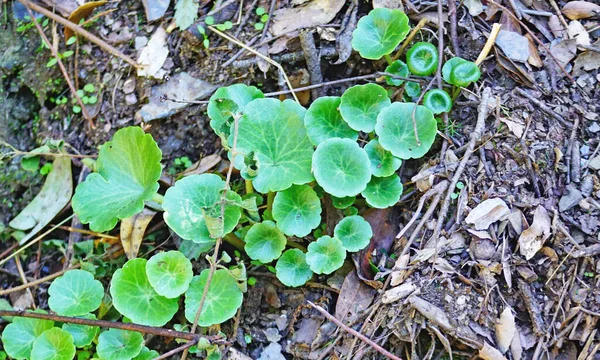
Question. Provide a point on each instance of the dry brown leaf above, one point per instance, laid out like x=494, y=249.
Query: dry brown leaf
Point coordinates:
x=515, y=347
x=564, y=51
x=262, y=64
x=388, y=4
x=556, y=27
x=354, y=298
x=398, y=293
x=515, y=127
x=154, y=55
x=316, y=12
x=575, y=10
x=506, y=330
x=487, y=213
x=431, y=16
x=80, y=13
x=132, y=232
x=399, y=274
x=435, y=314
x=586, y=62
x=488, y=352
x=533, y=238
x=475, y=7
x=534, y=56
x=203, y=165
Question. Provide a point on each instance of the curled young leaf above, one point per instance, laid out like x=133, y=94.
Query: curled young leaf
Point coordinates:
x=438, y=101
x=399, y=68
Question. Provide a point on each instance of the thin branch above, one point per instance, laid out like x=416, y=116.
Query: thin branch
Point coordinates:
x=177, y=350
x=351, y=331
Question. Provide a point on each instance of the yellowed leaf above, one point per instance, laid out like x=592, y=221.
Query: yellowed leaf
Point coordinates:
x=132, y=232
x=533, y=238
x=505, y=330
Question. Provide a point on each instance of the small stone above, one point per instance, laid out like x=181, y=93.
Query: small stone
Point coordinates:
x=129, y=85
x=527, y=274
x=272, y=335
x=595, y=163
x=130, y=99
x=461, y=300
x=514, y=46
x=482, y=249
x=168, y=65
x=272, y=352
x=584, y=150
x=570, y=199
x=594, y=128
x=282, y=322
x=140, y=42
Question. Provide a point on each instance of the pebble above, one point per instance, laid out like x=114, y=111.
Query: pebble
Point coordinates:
x=594, y=128
x=595, y=163
x=482, y=249
x=570, y=199
x=131, y=99
x=140, y=42
x=272, y=335
x=129, y=85
x=272, y=352
x=461, y=300
x=514, y=46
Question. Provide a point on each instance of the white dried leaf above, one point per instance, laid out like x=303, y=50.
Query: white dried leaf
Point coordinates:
x=533, y=238
x=515, y=127
x=487, y=352
x=487, y=213
x=154, y=55
x=398, y=293
x=505, y=330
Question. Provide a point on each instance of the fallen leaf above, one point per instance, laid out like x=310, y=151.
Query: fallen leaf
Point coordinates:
x=155, y=9
x=154, y=55
x=262, y=64
x=577, y=31
x=488, y=352
x=533, y=238
x=132, y=231
x=515, y=127
x=343, y=42
x=399, y=273
x=315, y=12
x=280, y=45
x=203, y=165
x=564, y=51
x=388, y=4
x=517, y=71
x=506, y=330
x=586, y=62
x=556, y=27
x=514, y=46
x=534, y=56
x=65, y=7
x=52, y=198
x=575, y=10
x=397, y=293
x=515, y=347
x=355, y=297
x=475, y=7
x=487, y=213
x=435, y=314
x=81, y=13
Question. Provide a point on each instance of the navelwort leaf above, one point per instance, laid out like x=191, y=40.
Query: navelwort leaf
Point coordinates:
x=223, y=298
x=292, y=269
x=325, y=255
x=422, y=59
x=464, y=74
x=128, y=172
x=134, y=297
x=75, y=293
x=396, y=131
x=186, y=202
x=383, y=163
x=384, y=192
x=169, y=273
x=116, y=344
x=18, y=337
x=438, y=101
x=361, y=104
x=324, y=121
x=264, y=242
x=378, y=33
x=146, y=354
x=83, y=335
x=297, y=210
x=354, y=232
x=341, y=167
x=220, y=111
x=449, y=66
x=343, y=202
x=186, y=12
x=53, y=344
x=399, y=68
x=274, y=131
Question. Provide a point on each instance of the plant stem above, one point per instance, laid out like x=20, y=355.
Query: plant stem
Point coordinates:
x=249, y=187
x=158, y=198
x=296, y=245
x=235, y=241
x=388, y=58
x=270, y=198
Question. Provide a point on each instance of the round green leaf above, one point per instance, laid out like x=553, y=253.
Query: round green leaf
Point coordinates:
x=169, y=273
x=465, y=73
x=220, y=110
x=399, y=68
x=325, y=255
x=297, y=210
x=264, y=242
x=75, y=293
x=378, y=33
x=274, y=132
x=83, y=335
x=354, y=232
x=223, y=298
x=187, y=202
x=128, y=172
x=324, y=121
x=383, y=192
x=341, y=167
x=53, y=344
x=116, y=344
x=438, y=101
x=134, y=297
x=383, y=163
x=422, y=59
x=147, y=354
x=361, y=104
x=18, y=337
x=396, y=130
x=343, y=202
x=449, y=66
x=413, y=89
x=292, y=269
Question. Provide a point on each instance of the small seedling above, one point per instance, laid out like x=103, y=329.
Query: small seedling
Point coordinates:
x=263, y=18
x=205, y=41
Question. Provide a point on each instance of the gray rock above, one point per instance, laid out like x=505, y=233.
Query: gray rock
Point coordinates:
x=272, y=352
x=272, y=335
x=155, y=9
x=131, y=99
x=514, y=46
x=181, y=87
x=570, y=199
x=594, y=127
x=595, y=163
x=140, y=42
x=129, y=85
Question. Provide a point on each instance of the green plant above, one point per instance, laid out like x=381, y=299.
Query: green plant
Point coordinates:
x=422, y=59
x=263, y=18
x=438, y=101
x=379, y=33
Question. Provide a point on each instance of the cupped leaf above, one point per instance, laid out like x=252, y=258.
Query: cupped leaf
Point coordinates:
x=134, y=297
x=465, y=73
x=324, y=121
x=383, y=163
x=227, y=101
x=187, y=203
x=292, y=269
x=53, y=344
x=116, y=344
x=274, y=132
x=75, y=293
x=83, y=335
x=449, y=66
x=264, y=242
x=128, y=172
x=341, y=167
x=383, y=192
x=297, y=210
x=378, y=33
x=438, y=101
x=342, y=202
x=422, y=59
x=413, y=89
x=146, y=354
x=169, y=273
x=18, y=337
x=396, y=130
x=354, y=232
x=325, y=255
x=398, y=68
x=361, y=104
x=223, y=298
